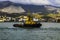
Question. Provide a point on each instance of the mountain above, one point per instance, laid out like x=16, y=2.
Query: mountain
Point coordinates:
x=5, y=4
x=32, y=8
x=12, y=9
x=52, y=9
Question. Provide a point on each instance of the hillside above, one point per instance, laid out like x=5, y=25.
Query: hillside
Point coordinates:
x=12, y=9
x=16, y=8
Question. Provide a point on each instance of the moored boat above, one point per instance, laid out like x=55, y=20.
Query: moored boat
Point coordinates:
x=36, y=25
x=29, y=23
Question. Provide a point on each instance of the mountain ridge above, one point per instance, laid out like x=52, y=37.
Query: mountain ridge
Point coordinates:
x=31, y=8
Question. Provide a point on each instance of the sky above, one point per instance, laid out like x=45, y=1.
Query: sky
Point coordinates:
x=37, y=2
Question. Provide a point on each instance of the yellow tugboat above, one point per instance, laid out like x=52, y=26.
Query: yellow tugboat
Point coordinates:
x=29, y=23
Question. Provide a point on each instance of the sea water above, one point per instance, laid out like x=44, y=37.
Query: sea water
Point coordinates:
x=48, y=31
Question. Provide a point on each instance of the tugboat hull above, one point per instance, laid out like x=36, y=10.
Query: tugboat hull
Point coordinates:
x=28, y=25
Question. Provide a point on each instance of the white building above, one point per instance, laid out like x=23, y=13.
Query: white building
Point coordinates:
x=35, y=19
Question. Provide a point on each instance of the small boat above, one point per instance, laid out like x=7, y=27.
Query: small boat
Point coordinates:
x=29, y=23
x=36, y=25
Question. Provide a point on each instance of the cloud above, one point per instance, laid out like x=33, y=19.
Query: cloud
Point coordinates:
x=55, y=2
x=34, y=2
x=21, y=1
x=37, y=2
x=3, y=0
